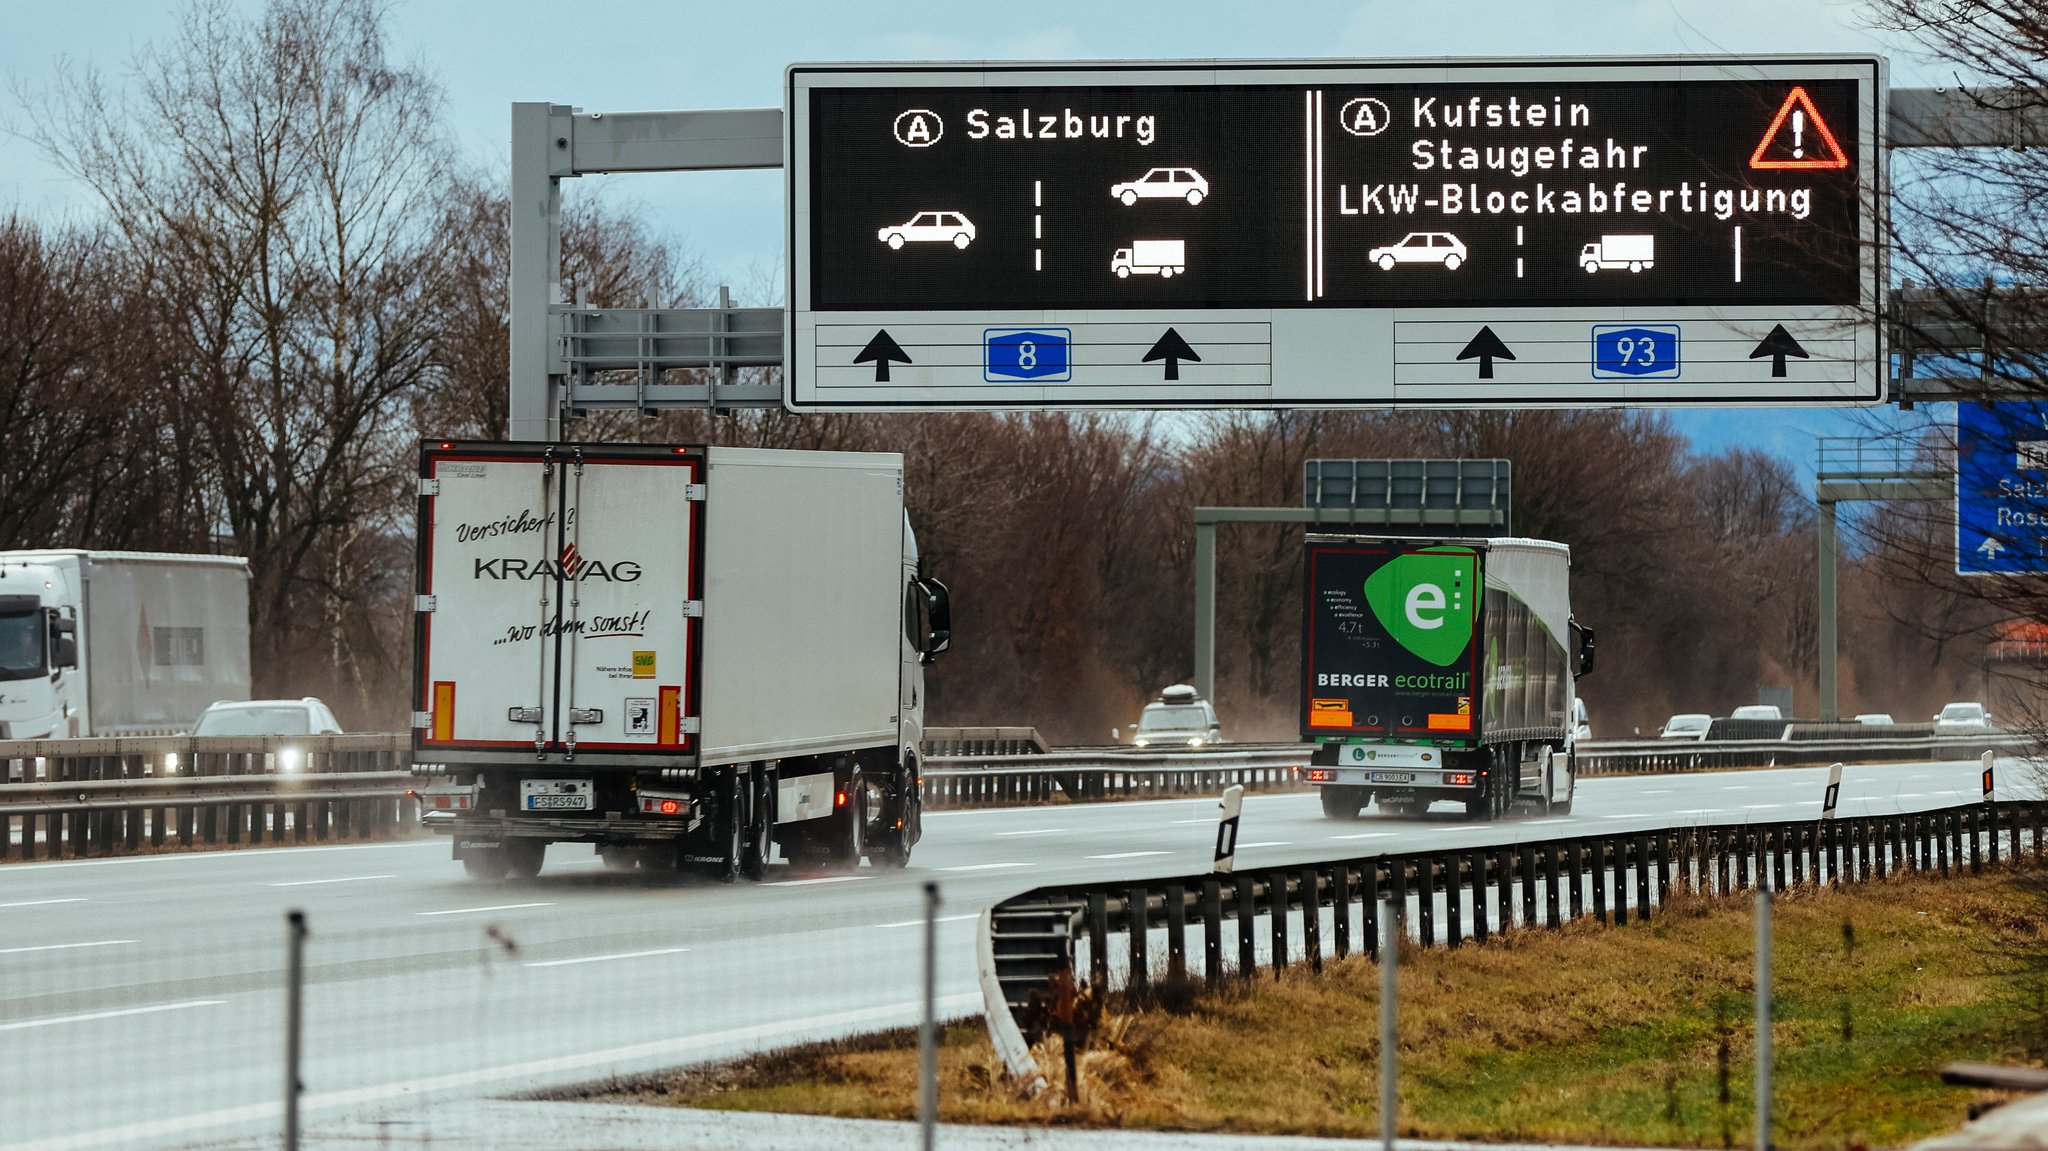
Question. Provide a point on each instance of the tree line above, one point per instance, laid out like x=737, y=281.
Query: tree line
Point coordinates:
x=292, y=276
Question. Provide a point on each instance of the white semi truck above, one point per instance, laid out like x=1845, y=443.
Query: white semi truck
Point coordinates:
x=1162, y=258
x=681, y=655
x=1634, y=252
x=97, y=643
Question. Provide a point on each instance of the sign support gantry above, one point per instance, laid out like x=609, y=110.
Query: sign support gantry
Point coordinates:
x=556, y=345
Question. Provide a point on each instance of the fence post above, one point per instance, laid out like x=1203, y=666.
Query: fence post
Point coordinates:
x=1390, y=951
x=1276, y=895
x=1137, y=926
x=1247, y=927
x=1763, y=1016
x=294, y=1020
x=928, y=1026
x=1212, y=931
x=1176, y=932
x=1340, y=907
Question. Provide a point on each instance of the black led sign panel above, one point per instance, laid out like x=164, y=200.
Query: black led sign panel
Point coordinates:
x=1380, y=234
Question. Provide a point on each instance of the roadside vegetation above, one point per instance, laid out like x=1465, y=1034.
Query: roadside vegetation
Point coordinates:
x=1589, y=1034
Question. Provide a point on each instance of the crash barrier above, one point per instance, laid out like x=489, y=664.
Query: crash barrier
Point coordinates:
x=1665, y=756
x=1081, y=776
x=1212, y=927
x=982, y=741
x=75, y=797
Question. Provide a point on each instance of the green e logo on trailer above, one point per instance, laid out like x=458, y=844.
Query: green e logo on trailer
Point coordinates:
x=1428, y=601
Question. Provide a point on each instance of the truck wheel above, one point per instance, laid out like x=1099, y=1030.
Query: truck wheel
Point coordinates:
x=1635, y=265
x=486, y=866
x=1571, y=789
x=1123, y=272
x=523, y=857
x=1340, y=802
x=850, y=841
x=618, y=858
x=1592, y=266
x=1485, y=804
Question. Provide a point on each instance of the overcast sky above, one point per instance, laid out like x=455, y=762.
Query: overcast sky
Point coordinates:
x=649, y=54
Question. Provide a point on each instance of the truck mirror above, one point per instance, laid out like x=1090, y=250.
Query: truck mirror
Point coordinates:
x=63, y=642
x=67, y=651
x=1585, y=654
x=938, y=614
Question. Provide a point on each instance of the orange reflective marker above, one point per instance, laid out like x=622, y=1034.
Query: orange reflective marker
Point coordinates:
x=1809, y=141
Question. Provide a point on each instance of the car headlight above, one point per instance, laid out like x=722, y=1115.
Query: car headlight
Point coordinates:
x=290, y=758
x=1195, y=742
x=1142, y=742
x=170, y=761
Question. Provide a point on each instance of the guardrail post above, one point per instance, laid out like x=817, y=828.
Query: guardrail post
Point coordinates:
x=1597, y=879
x=1212, y=931
x=1504, y=889
x=1312, y=918
x=1530, y=913
x=1176, y=932
x=1425, y=899
x=1098, y=939
x=1369, y=906
x=1247, y=908
x=1340, y=907
x=1454, y=898
x=1991, y=814
x=1138, y=925
x=1974, y=822
x=1479, y=928
x=1553, y=864
x=1276, y=894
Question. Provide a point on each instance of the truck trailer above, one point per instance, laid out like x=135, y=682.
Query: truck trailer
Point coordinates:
x=1440, y=669
x=99, y=643
x=679, y=654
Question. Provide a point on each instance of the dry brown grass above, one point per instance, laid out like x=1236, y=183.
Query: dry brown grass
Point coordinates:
x=1586, y=1034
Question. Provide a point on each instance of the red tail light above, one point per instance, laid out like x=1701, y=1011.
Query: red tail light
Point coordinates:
x=1318, y=775
x=1461, y=779
x=839, y=799
x=670, y=807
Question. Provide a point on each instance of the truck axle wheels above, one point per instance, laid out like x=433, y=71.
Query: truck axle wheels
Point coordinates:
x=486, y=866
x=523, y=857
x=1343, y=802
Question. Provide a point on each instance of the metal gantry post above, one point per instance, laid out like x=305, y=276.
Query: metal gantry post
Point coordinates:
x=1205, y=608
x=539, y=133
x=928, y=1026
x=1829, y=548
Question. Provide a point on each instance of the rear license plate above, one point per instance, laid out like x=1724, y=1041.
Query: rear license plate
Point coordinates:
x=1393, y=777
x=555, y=795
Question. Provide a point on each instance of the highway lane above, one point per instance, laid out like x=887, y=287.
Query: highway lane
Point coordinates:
x=162, y=973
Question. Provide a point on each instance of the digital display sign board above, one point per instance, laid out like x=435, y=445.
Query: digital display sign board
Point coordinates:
x=1320, y=235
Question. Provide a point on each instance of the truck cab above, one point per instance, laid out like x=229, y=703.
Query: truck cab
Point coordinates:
x=41, y=690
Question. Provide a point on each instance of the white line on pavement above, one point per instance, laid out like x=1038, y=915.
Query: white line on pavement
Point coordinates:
x=816, y=880
x=343, y=879
x=43, y=902
x=1631, y=815
x=986, y=866
x=920, y=922
x=608, y=958
x=1365, y=835
x=1764, y=806
x=1910, y=795
x=1544, y=822
x=121, y=1013
x=480, y=910
x=64, y=946
x=1205, y=819
x=1656, y=791
x=217, y=856
x=1036, y=831
x=1267, y=843
x=1129, y=854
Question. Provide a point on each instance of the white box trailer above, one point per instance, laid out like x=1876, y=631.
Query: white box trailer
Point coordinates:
x=106, y=643
x=679, y=654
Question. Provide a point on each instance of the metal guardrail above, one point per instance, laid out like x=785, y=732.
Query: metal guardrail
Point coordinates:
x=983, y=741
x=1221, y=927
x=1082, y=776
x=1664, y=756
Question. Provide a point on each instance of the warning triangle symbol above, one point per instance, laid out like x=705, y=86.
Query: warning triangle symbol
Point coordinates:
x=1798, y=139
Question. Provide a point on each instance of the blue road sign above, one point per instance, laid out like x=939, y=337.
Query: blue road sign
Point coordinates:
x=1635, y=351
x=1026, y=354
x=2002, y=488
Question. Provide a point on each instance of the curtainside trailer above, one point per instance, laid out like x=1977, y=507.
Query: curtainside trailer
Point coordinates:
x=1436, y=670
x=682, y=655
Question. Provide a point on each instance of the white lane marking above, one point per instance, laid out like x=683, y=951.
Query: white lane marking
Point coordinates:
x=1697, y=811
x=156, y=1130
x=1129, y=854
x=87, y=1017
x=481, y=910
x=607, y=958
x=1546, y=822
x=986, y=866
x=1210, y=819
x=1366, y=835
x=43, y=902
x=237, y=854
x=920, y=922
x=1631, y=815
x=65, y=946
x=1764, y=806
x=1910, y=795
x=1657, y=791
x=343, y=879
x=1736, y=787
x=819, y=879
x=1268, y=843
x=1037, y=831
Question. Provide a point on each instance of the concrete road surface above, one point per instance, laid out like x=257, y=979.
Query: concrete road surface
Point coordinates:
x=141, y=998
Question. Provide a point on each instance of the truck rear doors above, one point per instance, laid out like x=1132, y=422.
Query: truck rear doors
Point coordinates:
x=559, y=601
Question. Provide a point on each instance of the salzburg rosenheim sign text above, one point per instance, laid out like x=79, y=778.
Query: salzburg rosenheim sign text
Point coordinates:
x=1583, y=232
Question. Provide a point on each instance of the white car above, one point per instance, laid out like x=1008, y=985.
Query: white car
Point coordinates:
x=929, y=228
x=1962, y=717
x=1686, y=725
x=1757, y=711
x=1875, y=719
x=1421, y=248
x=1582, y=725
x=307, y=716
x=1164, y=184
x=1179, y=717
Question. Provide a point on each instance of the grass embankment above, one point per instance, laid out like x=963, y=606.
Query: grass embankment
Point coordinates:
x=1590, y=1034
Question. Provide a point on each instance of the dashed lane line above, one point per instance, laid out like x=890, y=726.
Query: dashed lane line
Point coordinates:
x=43, y=902
x=1129, y=854
x=607, y=958
x=65, y=946
x=481, y=910
x=341, y=879
x=89, y=1016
